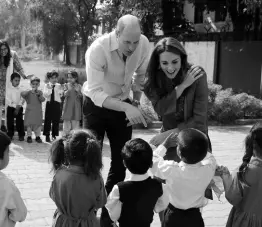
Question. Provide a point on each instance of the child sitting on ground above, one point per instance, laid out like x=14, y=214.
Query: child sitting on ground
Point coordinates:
x=12, y=207
x=187, y=180
x=243, y=189
x=133, y=202
x=77, y=188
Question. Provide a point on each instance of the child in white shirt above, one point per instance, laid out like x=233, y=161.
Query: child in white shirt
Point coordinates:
x=187, y=180
x=12, y=207
x=15, y=108
x=133, y=201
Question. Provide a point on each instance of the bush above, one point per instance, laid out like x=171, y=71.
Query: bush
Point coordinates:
x=224, y=106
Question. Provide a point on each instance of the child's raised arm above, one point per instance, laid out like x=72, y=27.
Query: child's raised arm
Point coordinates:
x=47, y=90
x=40, y=96
x=24, y=94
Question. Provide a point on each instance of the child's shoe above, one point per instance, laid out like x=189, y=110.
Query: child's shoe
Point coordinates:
x=21, y=138
x=47, y=139
x=38, y=139
x=29, y=139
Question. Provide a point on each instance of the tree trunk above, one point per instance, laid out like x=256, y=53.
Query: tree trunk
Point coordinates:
x=167, y=14
x=23, y=39
x=66, y=47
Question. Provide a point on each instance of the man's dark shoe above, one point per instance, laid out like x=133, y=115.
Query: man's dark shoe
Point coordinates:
x=3, y=128
x=47, y=139
x=29, y=139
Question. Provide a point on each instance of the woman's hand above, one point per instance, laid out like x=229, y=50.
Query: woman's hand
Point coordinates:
x=193, y=74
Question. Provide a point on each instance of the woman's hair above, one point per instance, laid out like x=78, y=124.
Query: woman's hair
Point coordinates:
x=155, y=77
x=74, y=74
x=8, y=55
x=5, y=142
x=51, y=74
x=252, y=140
x=80, y=146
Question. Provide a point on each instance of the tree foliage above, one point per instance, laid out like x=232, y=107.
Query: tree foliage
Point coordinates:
x=65, y=21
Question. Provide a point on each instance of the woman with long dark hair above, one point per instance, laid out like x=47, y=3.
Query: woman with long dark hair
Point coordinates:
x=178, y=91
x=9, y=63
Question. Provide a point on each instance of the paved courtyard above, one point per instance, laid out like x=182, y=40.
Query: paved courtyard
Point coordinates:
x=30, y=171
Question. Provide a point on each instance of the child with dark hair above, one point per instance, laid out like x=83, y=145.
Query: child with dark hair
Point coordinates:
x=187, y=180
x=77, y=187
x=72, y=109
x=12, y=207
x=33, y=111
x=133, y=202
x=15, y=108
x=52, y=92
x=243, y=188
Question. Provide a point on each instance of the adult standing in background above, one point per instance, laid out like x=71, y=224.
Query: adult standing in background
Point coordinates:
x=113, y=61
x=9, y=63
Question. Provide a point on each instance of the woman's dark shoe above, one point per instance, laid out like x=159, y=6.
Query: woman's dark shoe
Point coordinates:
x=29, y=139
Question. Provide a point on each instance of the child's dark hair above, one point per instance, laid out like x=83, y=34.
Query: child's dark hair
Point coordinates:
x=137, y=156
x=5, y=142
x=74, y=74
x=80, y=146
x=254, y=138
x=15, y=75
x=51, y=74
x=35, y=78
x=193, y=145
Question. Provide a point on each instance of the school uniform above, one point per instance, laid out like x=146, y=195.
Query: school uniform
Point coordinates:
x=246, y=199
x=77, y=197
x=133, y=202
x=186, y=184
x=52, y=111
x=14, y=99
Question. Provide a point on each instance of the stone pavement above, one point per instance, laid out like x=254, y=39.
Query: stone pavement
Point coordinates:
x=30, y=171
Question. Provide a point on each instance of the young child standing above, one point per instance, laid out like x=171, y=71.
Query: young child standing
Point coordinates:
x=12, y=207
x=243, y=189
x=33, y=111
x=133, y=202
x=15, y=108
x=187, y=180
x=77, y=187
x=52, y=93
x=72, y=109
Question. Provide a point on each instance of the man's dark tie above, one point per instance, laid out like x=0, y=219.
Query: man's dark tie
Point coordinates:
x=124, y=58
x=53, y=94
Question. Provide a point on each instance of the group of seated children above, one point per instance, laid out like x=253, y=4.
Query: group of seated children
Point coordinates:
x=53, y=93
x=78, y=190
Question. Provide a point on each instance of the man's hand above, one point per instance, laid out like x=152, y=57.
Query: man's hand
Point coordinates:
x=134, y=116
